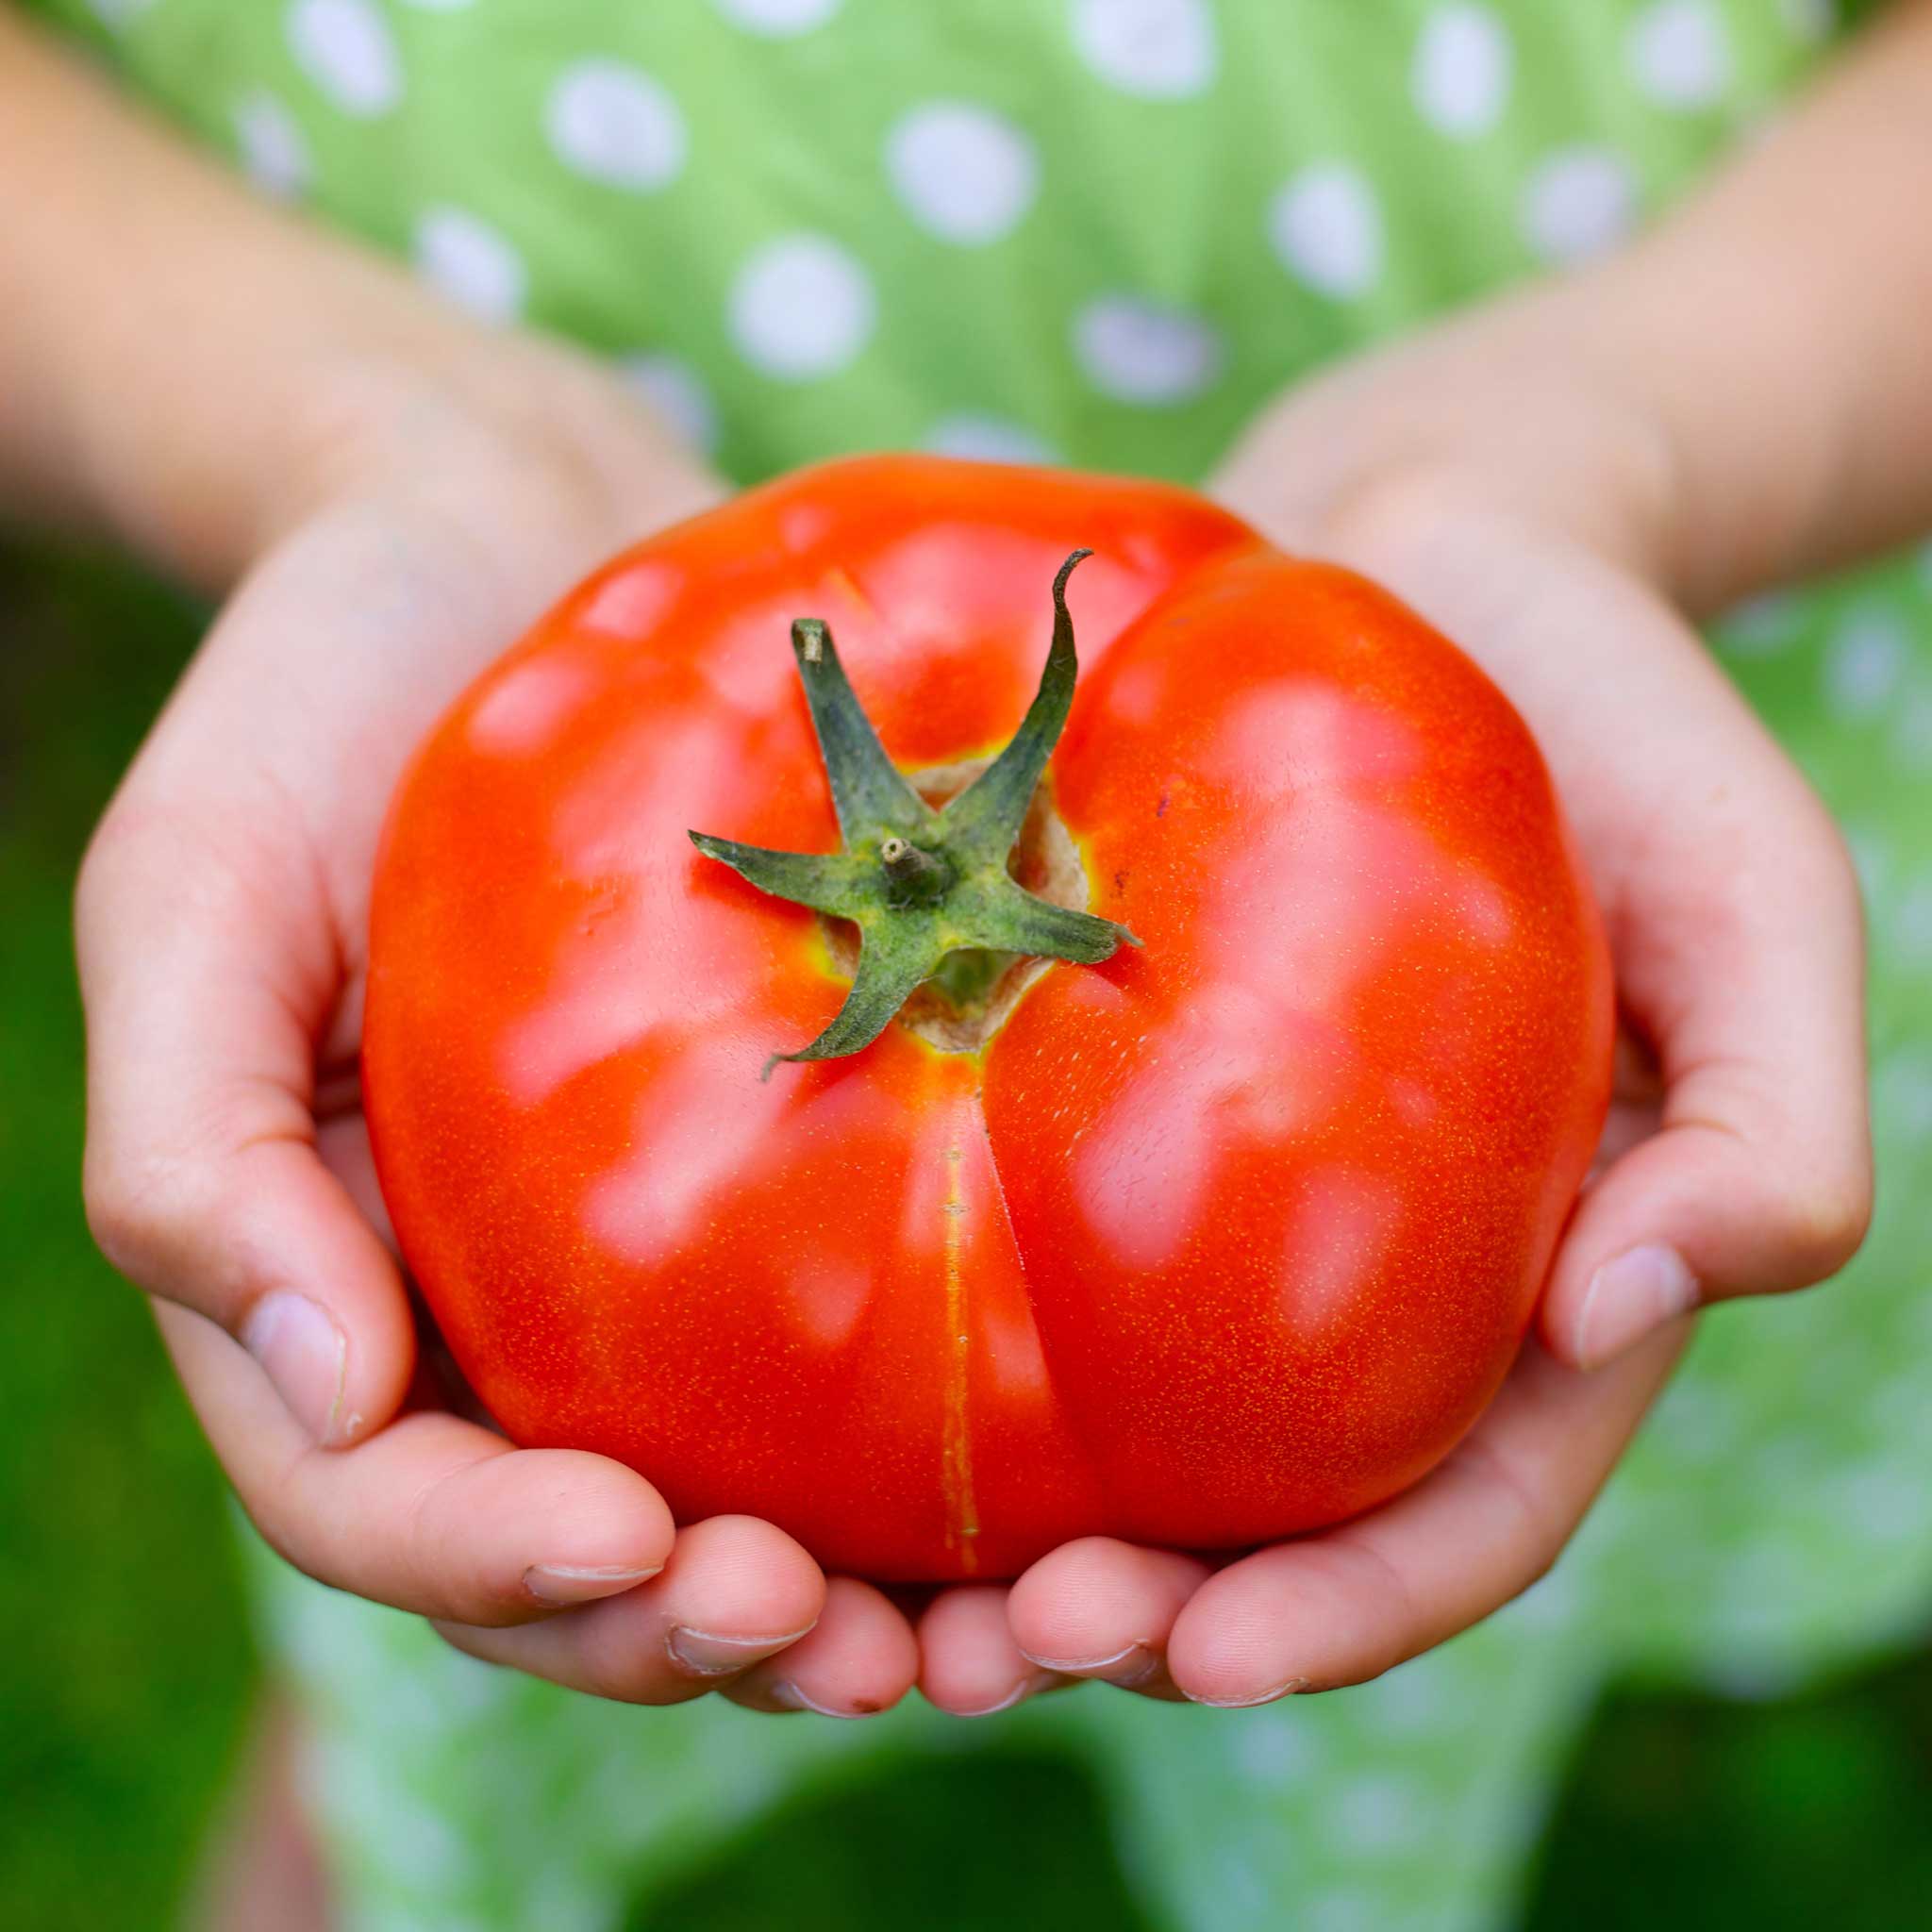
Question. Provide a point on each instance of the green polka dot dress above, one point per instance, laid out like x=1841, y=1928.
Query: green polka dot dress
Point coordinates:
x=1104, y=232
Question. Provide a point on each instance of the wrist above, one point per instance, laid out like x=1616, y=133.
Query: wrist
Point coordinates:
x=480, y=427
x=266, y=368
x=1507, y=412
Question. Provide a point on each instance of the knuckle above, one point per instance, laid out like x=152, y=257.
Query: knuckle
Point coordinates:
x=281, y=1529
x=1535, y=1530
x=430, y=1571
x=163, y=1221
x=1839, y=886
x=1825, y=1223
x=1813, y=860
x=121, y=848
x=635, y=1672
x=134, y=1212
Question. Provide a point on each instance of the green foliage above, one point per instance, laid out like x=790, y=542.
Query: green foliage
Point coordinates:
x=886, y=1852
x=125, y=1667
x=1775, y=1817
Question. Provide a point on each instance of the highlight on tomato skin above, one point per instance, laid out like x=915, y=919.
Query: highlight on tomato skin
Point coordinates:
x=1198, y=1242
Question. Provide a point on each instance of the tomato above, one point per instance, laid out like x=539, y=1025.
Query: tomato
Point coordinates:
x=1229, y=1235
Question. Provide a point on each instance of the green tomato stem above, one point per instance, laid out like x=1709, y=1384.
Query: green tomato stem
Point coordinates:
x=921, y=885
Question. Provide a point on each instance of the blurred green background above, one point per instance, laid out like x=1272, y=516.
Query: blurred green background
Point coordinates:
x=127, y=1674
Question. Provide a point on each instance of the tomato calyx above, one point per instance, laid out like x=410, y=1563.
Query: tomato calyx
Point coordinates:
x=921, y=883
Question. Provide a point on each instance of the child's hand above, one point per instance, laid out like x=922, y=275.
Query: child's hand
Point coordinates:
x=221, y=919
x=1532, y=522
x=1737, y=399
x=220, y=924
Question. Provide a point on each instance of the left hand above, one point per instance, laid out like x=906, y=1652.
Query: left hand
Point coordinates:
x=1530, y=517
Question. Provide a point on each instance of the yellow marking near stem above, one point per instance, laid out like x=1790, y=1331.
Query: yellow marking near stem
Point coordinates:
x=849, y=584
x=956, y=1447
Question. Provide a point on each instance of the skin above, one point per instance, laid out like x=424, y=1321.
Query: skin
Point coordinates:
x=1218, y=1241
x=385, y=497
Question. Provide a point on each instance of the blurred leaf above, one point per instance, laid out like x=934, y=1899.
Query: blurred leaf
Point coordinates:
x=127, y=1656
x=942, y=1843
x=1693, y=1811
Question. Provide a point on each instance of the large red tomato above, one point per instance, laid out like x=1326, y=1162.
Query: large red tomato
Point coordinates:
x=1231, y=1235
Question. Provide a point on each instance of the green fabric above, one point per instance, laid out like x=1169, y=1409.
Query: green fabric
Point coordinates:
x=1105, y=231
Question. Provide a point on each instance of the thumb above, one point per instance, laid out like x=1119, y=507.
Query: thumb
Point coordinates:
x=1749, y=975
x=209, y=968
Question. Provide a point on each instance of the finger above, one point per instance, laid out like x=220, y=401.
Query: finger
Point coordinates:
x=431, y=1514
x=970, y=1665
x=1346, y=1604
x=1743, y=959
x=341, y=1143
x=1732, y=911
x=734, y=1592
x=207, y=969
x=861, y=1659
x=1102, y=1608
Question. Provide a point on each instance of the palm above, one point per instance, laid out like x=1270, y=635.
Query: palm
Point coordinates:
x=1674, y=795
x=243, y=850
x=353, y=683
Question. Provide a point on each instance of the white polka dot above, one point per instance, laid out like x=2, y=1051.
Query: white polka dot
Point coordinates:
x=1279, y=1751
x=1326, y=227
x=1461, y=73
x=345, y=48
x=471, y=263
x=1911, y=925
x=1679, y=54
x=778, y=19
x=1902, y=1095
x=1764, y=1587
x=1698, y=1420
x=1810, y=20
x=1141, y=352
x=1160, y=50
x=1864, y=662
x=1240, y=1891
x=987, y=440
x=1579, y=203
x=1886, y=1504
x=1375, y=1813
x=1752, y=1680
x=801, y=307
x=1762, y=627
x=1871, y=853
x=1344, y=1911
x=965, y=174
x=1911, y=736
x=117, y=13
x=1550, y=1603
x=1413, y=1701
x=675, y=389
x=275, y=151
x=616, y=126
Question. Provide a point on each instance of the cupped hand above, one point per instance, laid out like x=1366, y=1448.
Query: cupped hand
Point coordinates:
x=220, y=924
x=1533, y=520
x=222, y=917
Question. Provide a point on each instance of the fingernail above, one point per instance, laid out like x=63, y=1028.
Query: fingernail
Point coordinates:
x=582, y=1583
x=1629, y=1298
x=304, y=1355
x=704, y=1653
x=1125, y=1668
x=790, y=1697
x=1286, y=1688
x=1036, y=1680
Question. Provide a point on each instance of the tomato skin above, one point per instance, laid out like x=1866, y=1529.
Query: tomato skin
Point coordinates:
x=1219, y=1241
